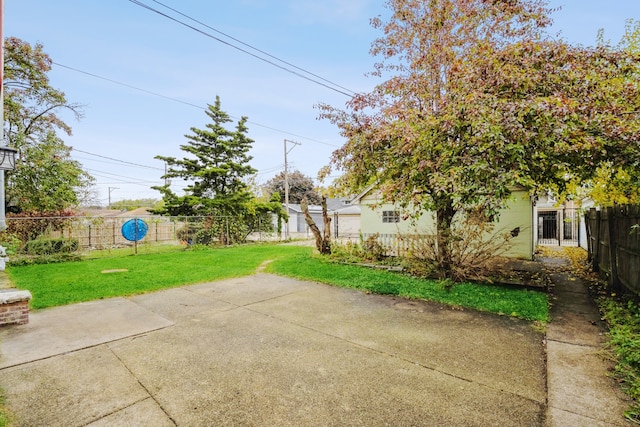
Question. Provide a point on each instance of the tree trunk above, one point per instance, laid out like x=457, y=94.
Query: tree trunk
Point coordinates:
x=323, y=240
x=327, y=226
x=444, y=218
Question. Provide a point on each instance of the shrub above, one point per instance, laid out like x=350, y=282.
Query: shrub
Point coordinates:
x=373, y=248
x=18, y=260
x=474, y=243
x=188, y=232
x=50, y=246
x=198, y=233
x=10, y=242
x=30, y=225
x=205, y=236
x=349, y=252
x=213, y=230
x=368, y=250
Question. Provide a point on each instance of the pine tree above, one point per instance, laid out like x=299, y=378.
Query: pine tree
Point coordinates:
x=216, y=167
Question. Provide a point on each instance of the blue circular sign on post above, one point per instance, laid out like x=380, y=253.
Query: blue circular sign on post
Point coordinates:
x=134, y=230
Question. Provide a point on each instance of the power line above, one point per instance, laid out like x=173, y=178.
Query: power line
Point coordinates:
x=140, y=181
x=145, y=6
x=187, y=103
x=91, y=159
x=269, y=170
x=118, y=177
x=253, y=47
x=260, y=172
x=124, y=182
x=128, y=85
x=117, y=160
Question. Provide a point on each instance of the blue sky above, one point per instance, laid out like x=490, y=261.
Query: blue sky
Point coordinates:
x=123, y=42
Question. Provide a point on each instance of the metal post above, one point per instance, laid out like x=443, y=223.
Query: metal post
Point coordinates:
x=3, y=221
x=286, y=184
x=109, y=189
x=135, y=240
x=560, y=216
x=286, y=191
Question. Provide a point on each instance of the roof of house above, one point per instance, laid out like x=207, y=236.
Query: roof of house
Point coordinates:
x=364, y=192
x=342, y=206
x=297, y=208
x=349, y=210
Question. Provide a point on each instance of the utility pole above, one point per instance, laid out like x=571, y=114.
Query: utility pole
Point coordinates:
x=286, y=182
x=111, y=188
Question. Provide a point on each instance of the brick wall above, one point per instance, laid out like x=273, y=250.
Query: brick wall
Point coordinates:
x=14, y=307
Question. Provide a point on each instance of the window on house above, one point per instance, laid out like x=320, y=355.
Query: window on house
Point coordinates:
x=390, y=216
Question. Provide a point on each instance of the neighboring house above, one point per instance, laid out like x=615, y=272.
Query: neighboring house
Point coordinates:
x=297, y=225
x=388, y=222
x=560, y=224
x=345, y=219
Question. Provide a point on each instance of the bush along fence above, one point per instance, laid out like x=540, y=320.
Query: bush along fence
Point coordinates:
x=105, y=232
x=614, y=245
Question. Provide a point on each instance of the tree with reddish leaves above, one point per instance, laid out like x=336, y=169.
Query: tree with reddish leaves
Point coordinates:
x=475, y=101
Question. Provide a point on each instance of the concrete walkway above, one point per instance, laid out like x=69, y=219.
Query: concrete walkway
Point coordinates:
x=579, y=391
x=266, y=351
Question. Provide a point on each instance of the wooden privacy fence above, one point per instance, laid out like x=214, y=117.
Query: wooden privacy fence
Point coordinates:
x=614, y=245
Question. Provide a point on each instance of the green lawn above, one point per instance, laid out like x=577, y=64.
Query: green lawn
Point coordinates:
x=66, y=283
x=70, y=282
x=522, y=303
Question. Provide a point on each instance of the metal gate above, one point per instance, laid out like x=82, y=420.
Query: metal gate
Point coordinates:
x=548, y=228
x=561, y=227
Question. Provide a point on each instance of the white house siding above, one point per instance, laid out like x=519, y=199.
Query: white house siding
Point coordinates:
x=518, y=214
x=345, y=221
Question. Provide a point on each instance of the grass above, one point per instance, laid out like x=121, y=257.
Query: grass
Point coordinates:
x=71, y=282
x=623, y=319
x=5, y=414
x=143, y=249
x=522, y=303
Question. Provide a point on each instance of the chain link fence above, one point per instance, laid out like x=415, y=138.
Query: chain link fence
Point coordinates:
x=106, y=232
